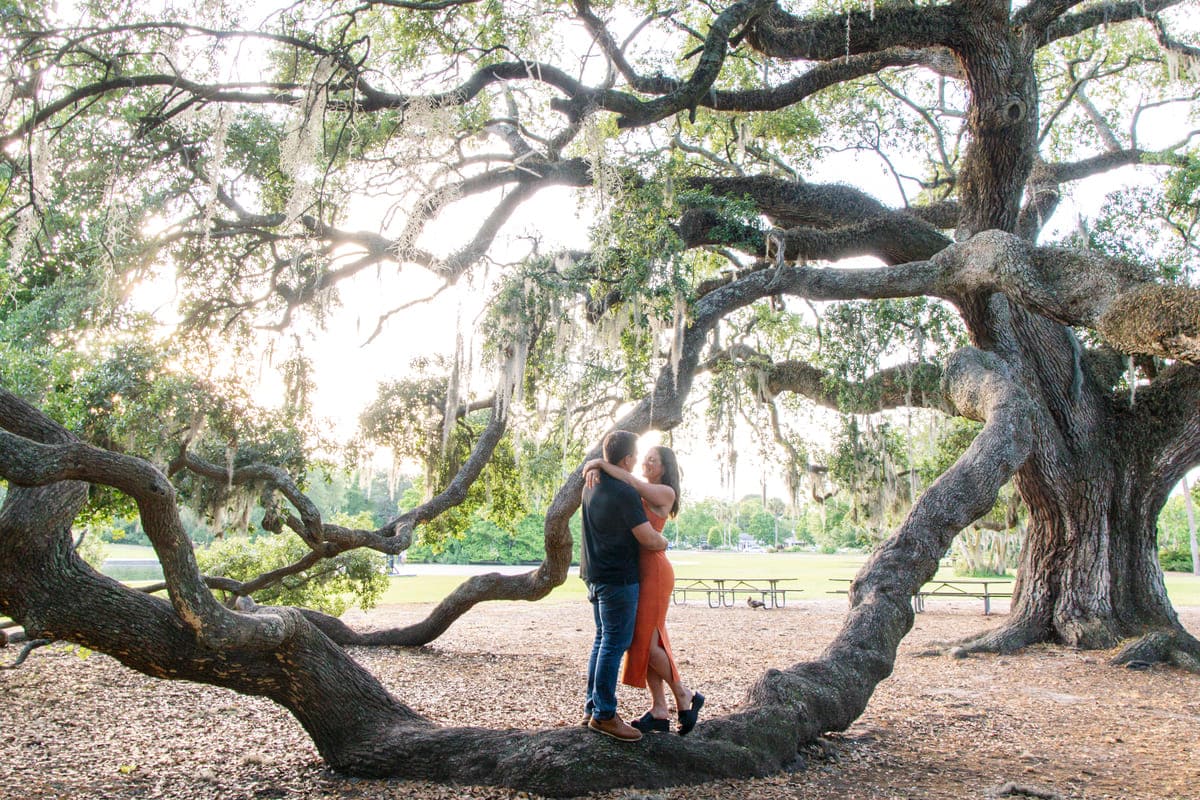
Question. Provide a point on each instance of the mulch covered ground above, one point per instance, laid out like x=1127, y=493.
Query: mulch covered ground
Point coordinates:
x=1047, y=722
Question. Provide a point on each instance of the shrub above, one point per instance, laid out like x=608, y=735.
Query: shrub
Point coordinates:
x=1175, y=559
x=331, y=585
x=93, y=550
x=962, y=570
x=484, y=542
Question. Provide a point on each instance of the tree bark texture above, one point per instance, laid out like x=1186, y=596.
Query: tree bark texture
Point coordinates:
x=1089, y=574
x=1094, y=482
x=1193, y=543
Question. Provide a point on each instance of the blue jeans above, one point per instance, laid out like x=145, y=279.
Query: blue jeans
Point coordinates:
x=614, y=609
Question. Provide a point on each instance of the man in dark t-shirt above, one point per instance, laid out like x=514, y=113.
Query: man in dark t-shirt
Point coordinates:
x=614, y=529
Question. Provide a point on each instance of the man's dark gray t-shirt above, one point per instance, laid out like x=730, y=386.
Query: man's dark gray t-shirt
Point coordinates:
x=611, y=510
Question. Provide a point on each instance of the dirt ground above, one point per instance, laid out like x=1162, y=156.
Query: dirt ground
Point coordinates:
x=1048, y=722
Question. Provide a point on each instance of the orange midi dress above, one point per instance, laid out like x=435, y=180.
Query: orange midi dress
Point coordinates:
x=654, y=598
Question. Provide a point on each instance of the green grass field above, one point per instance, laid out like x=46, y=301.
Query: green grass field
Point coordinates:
x=129, y=551
x=812, y=572
x=811, y=569
x=1183, y=588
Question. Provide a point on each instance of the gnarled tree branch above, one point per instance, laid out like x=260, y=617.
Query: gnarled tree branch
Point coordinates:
x=780, y=34
x=27, y=463
x=1100, y=14
x=1074, y=287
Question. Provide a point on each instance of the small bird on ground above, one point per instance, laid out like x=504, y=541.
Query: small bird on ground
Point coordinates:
x=750, y=601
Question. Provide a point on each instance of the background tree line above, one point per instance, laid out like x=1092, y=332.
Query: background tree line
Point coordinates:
x=876, y=469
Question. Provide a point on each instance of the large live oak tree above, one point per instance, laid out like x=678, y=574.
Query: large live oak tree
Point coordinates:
x=1093, y=464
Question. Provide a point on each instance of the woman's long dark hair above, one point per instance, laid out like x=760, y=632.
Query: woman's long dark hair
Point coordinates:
x=670, y=475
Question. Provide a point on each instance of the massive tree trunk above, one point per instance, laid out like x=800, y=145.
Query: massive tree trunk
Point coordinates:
x=1090, y=576
x=1089, y=573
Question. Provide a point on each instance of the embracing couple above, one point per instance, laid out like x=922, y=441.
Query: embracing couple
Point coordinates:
x=624, y=564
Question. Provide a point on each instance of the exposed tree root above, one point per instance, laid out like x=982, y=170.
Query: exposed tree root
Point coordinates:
x=30, y=646
x=1014, y=789
x=1087, y=634
x=1005, y=639
x=1091, y=634
x=1175, y=647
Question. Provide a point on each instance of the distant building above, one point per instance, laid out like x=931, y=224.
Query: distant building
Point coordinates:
x=747, y=543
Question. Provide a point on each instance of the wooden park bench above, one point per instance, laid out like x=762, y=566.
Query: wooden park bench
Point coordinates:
x=986, y=589
x=724, y=591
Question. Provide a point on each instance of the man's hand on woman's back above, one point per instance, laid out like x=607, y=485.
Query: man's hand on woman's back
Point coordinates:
x=649, y=538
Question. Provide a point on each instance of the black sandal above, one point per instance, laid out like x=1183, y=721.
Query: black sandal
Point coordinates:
x=648, y=723
x=688, y=719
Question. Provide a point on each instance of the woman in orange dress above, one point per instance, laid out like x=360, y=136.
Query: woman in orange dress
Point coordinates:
x=649, y=663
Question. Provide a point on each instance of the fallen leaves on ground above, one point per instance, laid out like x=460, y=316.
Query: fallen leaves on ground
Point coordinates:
x=1049, y=719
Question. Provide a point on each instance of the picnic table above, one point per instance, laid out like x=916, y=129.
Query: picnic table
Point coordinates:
x=953, y=587
x=724, y=591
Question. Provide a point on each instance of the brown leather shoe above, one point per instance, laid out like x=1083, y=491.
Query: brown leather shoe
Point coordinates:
x=616, y=728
